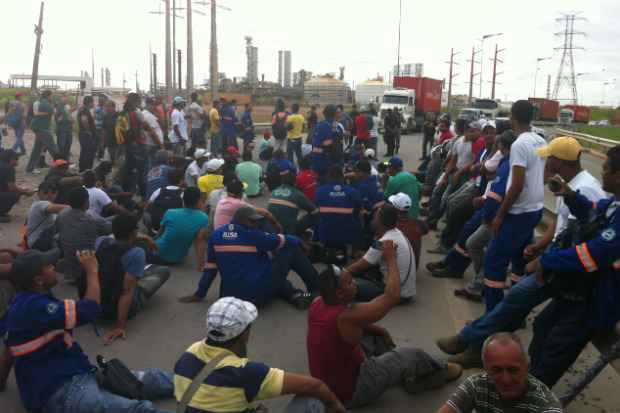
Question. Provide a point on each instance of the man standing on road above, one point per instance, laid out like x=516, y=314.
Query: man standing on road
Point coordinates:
x=229, y=123
x=99, y=114
x=42, y=112
x=313, y=120
x=505, y=386
x=64, y=127
x=87, y=135
x=178, y=127
x=295, y=125
x=429, y=128
x=247, y=128
x=196, y=114
x=16, y=119
x=215, y=131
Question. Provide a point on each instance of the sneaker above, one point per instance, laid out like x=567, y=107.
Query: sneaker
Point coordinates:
x=468, y=295
x=445, y=273
x=451, y=345
x=469, y=359
x=434, y=266
x=301, y=300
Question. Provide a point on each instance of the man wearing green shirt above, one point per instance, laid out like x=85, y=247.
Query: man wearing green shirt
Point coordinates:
x=249, y=172
x=41, y=126
x=286, y=202
x=405, y=182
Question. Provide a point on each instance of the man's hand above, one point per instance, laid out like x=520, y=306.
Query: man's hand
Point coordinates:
x=389, y=250
x=531, y=251
x=558, y=186
x=190, y=299
x=113, y=335
x=88, y=259
x=497, y=224
x=478, y=202
x=536, y=269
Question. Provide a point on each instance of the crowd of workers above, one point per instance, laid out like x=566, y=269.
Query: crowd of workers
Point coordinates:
x=152, y=182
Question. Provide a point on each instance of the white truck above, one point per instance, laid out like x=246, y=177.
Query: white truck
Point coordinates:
x=403, y=100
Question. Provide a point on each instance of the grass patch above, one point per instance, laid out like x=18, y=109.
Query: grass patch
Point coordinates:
x=607, y=132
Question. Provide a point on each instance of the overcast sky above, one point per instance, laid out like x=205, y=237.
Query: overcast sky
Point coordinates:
x=323, y=35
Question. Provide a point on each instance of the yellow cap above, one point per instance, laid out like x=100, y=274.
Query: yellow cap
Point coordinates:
x=562, y=147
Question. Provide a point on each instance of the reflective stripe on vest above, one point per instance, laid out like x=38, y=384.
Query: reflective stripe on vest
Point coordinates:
x=70, y=314
x=335, y=210
x=586, y=259
x=282, y=202
x=235, y=248
x=37, y=343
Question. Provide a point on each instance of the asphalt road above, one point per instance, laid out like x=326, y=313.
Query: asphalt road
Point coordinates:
x=157, y=336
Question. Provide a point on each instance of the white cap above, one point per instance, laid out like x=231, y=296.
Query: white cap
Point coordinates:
x=401, y=201
x=228, y=317
x=369, y=153
x=490, y=123
x=215, y=164
x=200, y=153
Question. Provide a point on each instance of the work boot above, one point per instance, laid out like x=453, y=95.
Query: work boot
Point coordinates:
x=445, y=272
x=451, y=345
x=468, y=295
x=469, y=359
x=434, y=266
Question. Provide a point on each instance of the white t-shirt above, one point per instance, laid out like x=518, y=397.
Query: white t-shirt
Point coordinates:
x=374, y=131
x=196, y=114
x=588, y=186
x=151, y=120
x=523, y=153
x=405, y=259
x=97, y=199
x=462, y=150
x=177, y=118
x=194, y=170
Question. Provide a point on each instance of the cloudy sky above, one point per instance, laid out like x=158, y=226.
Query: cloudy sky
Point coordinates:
x=325, y=34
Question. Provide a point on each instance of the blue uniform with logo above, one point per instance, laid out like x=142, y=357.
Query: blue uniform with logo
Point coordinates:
x=248, y=127
x=370, y=192
x=241, y=255
x=325, y=134
x=39, y=335
x=229, y=125
x=339, y=207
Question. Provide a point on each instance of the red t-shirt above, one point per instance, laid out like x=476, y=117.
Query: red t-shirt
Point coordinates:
x=445, y=136
x=331, y=359
x=362, y=128
x=306, y=182
x=477, y=146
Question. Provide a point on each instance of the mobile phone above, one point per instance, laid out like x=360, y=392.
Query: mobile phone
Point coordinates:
x=554, y=186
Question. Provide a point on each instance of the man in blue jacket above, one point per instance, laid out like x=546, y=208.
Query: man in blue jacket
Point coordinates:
x=325, y=136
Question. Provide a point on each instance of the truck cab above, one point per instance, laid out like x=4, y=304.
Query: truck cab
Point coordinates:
x=471, y=114
x=403, y=100
x=566, y=116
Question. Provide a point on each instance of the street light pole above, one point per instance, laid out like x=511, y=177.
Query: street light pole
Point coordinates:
x=538, y=60
x=484, y=37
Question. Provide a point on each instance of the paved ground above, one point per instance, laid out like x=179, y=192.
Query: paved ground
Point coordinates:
x=158, y=336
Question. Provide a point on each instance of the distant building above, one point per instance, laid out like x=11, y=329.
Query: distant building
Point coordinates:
x=284, y=68
x=301, y=77
x=326, y=89
x=370, y=91
x=252, y=61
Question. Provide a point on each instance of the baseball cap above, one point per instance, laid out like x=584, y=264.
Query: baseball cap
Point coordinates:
x=231, y=150
x=29, y=263
x=215, y=164
x=177, y=100
x=228, y=317
x=247, y=212
x=59, y=162
x=369, y=153
x=474, y=125
x=401, y=201
x=563, y=147
x=489, y=124
x=200, y=153
x=396, y=162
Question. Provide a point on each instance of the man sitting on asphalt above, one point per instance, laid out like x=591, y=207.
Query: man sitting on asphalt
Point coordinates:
x=126, y=283
x=402, y=181
x=239, y=251
x=237, y=383
x=9, y=191
x=180, y=228
x=157, y=177
x=164, y=199
x=196, y=168
x=214, y=179
x=41, y=220
x=52, y=372
x=336, y=328
x=505, y=386
x=60, y=176
x=371, y=270
x=412, y=228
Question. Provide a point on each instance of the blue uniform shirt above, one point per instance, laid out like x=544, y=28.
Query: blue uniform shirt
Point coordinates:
x=248, y=126
x=240, y=255
x=325, y=133
x=497, y=191
x=229, y=121
x=369, y=192
x=39, y=336
x=601, y=253
x=339, y=222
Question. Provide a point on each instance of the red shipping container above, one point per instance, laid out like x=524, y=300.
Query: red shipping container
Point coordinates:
x=548, y=110
x=427, y=92
x=581, y=113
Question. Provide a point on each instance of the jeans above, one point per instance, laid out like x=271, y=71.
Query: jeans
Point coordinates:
x=154, y=277
x=19, y=139
x=135, y=169
x=197, y=137
x=293, y=149
x=64, y=138
x=475, y=246
x=151, y=151
x=368, y=290
x=279, y=144
x=88, y=151
x=508, y=315
x=427, y=144
x=230, y=140
x=434, y=207
x=460, y=209
x=82, y=394
x=216, y=143
x=42, y=141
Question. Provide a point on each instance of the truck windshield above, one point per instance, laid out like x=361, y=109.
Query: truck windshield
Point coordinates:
x=399, y=100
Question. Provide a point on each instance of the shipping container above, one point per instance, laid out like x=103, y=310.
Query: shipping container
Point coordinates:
x=545, y=109
x=427, y=92
x=581, y=113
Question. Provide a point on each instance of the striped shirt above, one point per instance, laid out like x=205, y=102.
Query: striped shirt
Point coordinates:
x=478, y=392
x=236, y=385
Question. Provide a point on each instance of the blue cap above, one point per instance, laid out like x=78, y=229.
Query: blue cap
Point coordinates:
x=396, y=162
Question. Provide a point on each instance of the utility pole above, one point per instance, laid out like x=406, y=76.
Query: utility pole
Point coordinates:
x=548, y=86
x=38, y=30
x=214, y=70
x=168, y=55
x=137, y=84
x=568, y=61
x=451, y=76
x=179, y=68
x=102, y=78
x=92, y=62
x=495, y=73
x=471, y=72
x=400, y=13
x=190, y=49
x=174, y=43
x=155, y=87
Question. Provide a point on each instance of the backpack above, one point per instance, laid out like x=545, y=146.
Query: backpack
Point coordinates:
x=279, y=128
x=167, y=199
x=111, y=275
x=114, y=376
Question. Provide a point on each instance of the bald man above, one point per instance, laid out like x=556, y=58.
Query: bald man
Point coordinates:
x=505, y=385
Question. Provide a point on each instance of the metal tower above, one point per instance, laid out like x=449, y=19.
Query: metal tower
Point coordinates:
x=566, y=72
